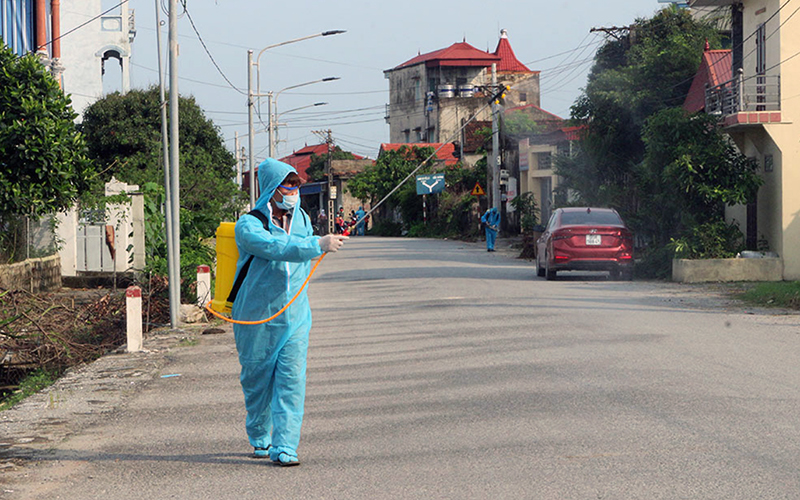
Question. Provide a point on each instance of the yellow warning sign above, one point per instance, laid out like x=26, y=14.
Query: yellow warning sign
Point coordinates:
x=478, y=190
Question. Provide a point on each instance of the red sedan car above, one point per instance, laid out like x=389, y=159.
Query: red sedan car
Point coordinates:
x=589, y=239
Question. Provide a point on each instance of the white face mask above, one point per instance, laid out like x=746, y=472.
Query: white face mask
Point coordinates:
x=289, y=201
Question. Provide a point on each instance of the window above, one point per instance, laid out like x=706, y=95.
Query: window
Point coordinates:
x=590, y=218
x=545, y=161
x=523, y=97
x=761, y=49
x=761, y=67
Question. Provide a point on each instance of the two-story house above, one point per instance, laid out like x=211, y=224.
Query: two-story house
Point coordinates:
x=96, y=57
x=433, y=95
x=759, y=110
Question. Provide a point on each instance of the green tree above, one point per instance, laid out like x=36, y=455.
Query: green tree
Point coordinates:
x=123, y=132
x=643, y=72
x=316, y=171
x=691, y=171
x=519, y=123
x=391, y=167
x=43, y=163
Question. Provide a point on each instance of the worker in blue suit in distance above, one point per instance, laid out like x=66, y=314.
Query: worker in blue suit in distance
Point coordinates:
x=273, y=354
x=491, y=224
x=360, y=216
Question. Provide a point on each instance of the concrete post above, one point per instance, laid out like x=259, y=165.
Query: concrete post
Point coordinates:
x=203, y=285
x=139, y=253
x=133, y=316
x=68, y=234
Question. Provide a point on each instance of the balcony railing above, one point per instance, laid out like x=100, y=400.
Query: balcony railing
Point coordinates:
x=745, y=95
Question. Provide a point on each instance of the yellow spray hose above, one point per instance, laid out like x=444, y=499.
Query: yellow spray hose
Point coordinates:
x=262, y=321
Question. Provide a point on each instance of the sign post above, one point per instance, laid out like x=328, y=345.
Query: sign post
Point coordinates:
x=429, y=184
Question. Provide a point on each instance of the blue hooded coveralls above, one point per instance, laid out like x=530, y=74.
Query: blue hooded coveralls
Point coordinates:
x=491, y=219
x=360, y=214
x=273, y=355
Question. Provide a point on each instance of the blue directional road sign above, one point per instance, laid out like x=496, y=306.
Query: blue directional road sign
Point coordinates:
x=429, y=184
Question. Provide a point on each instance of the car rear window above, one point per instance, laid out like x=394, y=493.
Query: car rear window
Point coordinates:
x=590, y=219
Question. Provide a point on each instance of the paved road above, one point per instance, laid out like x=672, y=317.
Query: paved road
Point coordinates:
x=438, y=370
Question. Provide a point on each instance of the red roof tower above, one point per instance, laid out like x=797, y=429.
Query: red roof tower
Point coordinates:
x=508, y=61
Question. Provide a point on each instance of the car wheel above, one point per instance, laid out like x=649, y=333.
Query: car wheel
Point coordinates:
x=539, y=268
x=549, y=274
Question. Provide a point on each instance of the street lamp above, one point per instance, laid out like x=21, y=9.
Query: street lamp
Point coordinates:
x=273, y=123
x=273, y=104
x=250, y=96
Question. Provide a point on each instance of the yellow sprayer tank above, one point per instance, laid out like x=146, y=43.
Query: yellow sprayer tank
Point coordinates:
x=227, y=256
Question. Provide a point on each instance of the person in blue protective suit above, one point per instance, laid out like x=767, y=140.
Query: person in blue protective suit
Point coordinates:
x=491, y=223
x=273, y=354
x=361, y=225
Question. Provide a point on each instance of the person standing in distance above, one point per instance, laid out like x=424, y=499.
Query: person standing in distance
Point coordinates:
x=491, y=223
x=273, y=355
x=362, y=223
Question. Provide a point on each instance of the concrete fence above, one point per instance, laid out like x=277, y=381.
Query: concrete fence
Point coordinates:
x=34, y=275
x=711, y=270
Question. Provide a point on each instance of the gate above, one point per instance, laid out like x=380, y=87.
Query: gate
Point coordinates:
x=93, y=251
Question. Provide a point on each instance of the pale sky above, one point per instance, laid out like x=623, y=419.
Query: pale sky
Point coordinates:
x=380, y=36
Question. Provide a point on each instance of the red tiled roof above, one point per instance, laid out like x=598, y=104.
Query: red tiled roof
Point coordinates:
x=715, y=69
x=301, y=159
x=508, y=61
x=458, y=54
x=317, y=149
x=573, y=133
x=445, y=153
x=535, y=108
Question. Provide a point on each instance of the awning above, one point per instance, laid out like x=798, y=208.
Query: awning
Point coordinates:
x=312, y=188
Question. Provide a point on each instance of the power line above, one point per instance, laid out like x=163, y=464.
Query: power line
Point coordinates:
x=123, y=2
x=596, y=42
x=340, y=93
x=342, y=123
x=191, y=21
x=718, y=61
x=740, y=44
x=184, y=78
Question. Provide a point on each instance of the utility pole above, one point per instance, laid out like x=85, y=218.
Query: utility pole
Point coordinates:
x=615, y=31
x=173, y=278
x=272, y=120
x=328, y=137
x=252, y=182
x=236, y=154
x=174, y=282
x=494, y=162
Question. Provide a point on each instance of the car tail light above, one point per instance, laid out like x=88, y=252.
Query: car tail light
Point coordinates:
x=560, y=258
x=562, y=235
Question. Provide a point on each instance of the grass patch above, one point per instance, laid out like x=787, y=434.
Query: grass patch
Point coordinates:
x=188, y=342
x=774, y=294
x=31, y=384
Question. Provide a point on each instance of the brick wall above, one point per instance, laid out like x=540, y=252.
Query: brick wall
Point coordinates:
x=33, y=275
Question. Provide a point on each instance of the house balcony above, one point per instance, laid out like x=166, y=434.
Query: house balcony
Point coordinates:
x=755, y=100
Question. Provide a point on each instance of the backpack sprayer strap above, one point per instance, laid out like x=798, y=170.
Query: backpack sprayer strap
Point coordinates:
x=237, y=284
